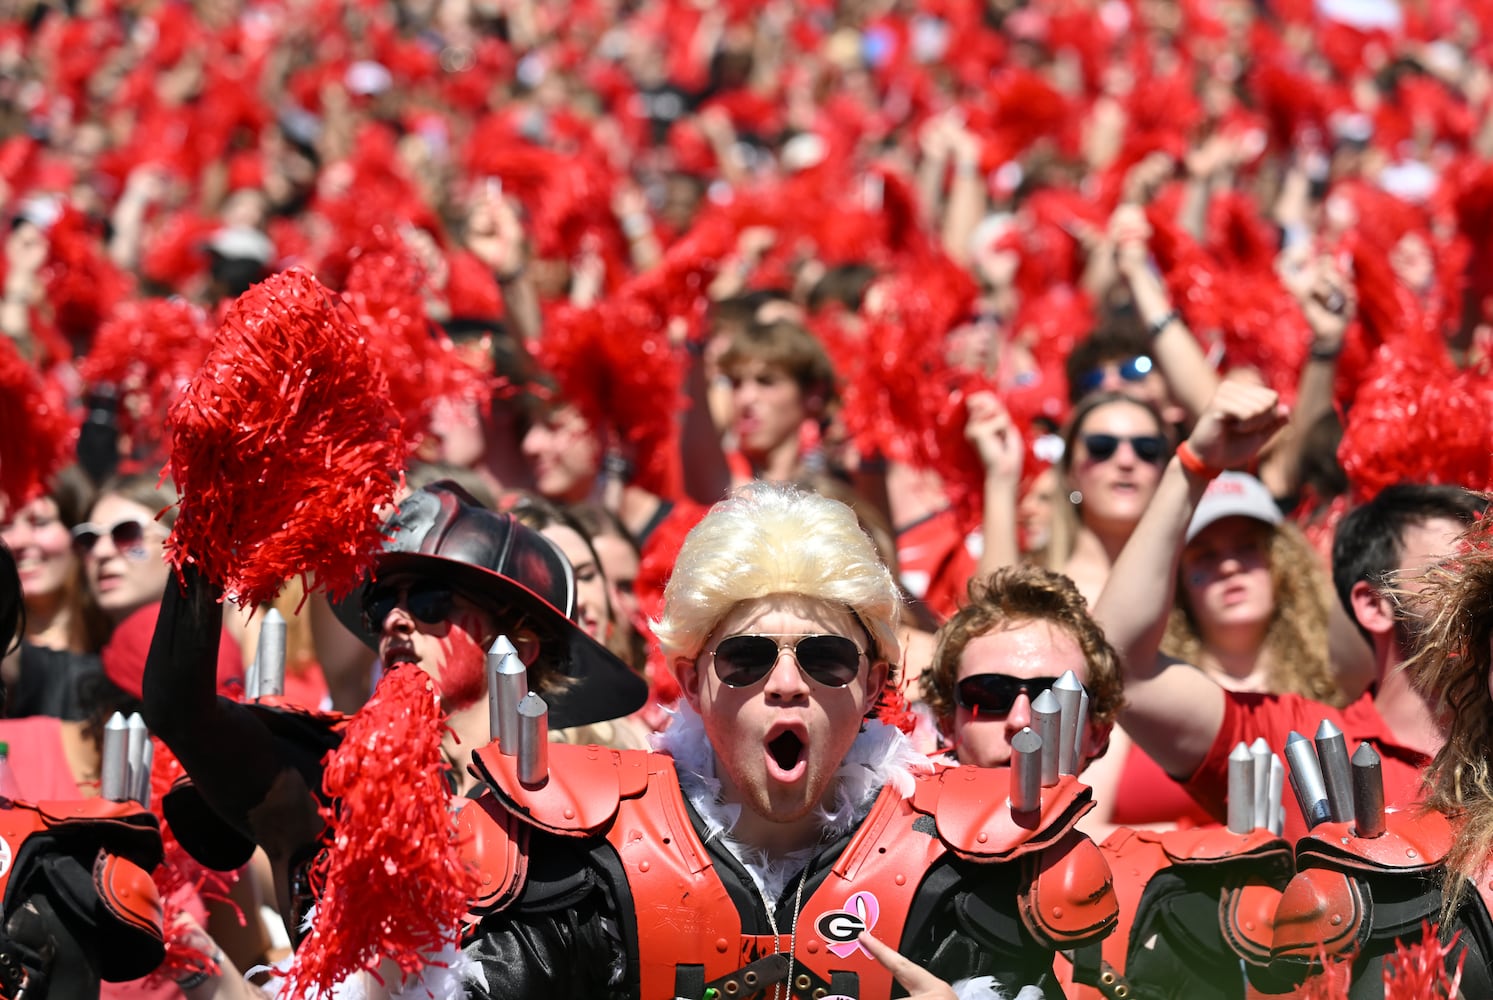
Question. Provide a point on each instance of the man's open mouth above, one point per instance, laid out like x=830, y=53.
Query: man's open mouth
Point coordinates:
x=786, y=750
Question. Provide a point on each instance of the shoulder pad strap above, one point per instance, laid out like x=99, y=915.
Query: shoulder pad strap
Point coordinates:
x=971, y=809
x=1216, y=844
x=495, y=844
x=123, y=828
x=579, y=797
x=1248, y=913
x=1320, y=911
x=1070, y=899
x=1411, y=842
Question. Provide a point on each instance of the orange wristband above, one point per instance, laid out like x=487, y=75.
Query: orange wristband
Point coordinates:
x=1193, y=463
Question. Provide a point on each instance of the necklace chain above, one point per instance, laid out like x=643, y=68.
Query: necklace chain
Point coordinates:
x=798, y=896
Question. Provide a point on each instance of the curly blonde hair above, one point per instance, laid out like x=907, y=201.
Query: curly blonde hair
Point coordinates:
x=1296, y=640
x=1450, y=668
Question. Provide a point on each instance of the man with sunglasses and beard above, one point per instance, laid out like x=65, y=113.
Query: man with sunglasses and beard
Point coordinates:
x=785, y=842
x=453, y=577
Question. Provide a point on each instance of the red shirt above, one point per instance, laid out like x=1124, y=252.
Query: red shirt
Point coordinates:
x=1249, y=716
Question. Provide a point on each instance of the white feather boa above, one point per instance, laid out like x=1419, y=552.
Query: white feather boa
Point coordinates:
x=881, y=755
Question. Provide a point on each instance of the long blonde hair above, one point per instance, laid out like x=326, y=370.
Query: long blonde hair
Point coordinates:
x=1296, y=639
x=1450, y=668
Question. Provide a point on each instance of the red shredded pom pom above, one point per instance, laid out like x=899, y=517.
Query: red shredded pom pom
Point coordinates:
x=385, y=291
x=1417, y=420
x=39, y=435
x=285, y=446
x=149, y=350
x=1419, y=971
x=392, y=885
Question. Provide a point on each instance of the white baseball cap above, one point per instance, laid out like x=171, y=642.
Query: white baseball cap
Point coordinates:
x=1233, y=494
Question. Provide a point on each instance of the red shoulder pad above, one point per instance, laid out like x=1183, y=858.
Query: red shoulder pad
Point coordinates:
x=494, y=843
x=1248, y=913
x=1320, y=910
x=1213, y=844
x=579, y=796
x=971, y=808
x=132, y=943
x=1070, y=899
x=1411, y=842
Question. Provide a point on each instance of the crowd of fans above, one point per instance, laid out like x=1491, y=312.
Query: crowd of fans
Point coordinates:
x=1015, y=280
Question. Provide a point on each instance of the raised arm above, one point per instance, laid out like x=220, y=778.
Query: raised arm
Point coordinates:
x=1001, y=451
x=235, y=761
x=1189, y=377
x=1172, y=710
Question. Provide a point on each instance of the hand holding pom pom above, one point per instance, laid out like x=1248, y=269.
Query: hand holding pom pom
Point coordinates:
x=285, y=446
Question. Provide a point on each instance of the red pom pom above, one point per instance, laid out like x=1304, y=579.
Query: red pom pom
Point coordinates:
x=392, y=885
x=1420, y=970
x=385, y=290
x=284, y=446
x=1417, y=420
x=82, y=285
x=38, y=436
x=149, y=350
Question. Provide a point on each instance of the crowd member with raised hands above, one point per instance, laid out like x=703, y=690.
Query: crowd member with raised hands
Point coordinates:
x=1182, y=717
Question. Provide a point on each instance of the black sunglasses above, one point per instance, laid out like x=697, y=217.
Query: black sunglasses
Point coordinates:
x=1149, y=448
x=743, y=660
x=425, y=600
x=994, y=694
x=125, y=535
x=1131, y=370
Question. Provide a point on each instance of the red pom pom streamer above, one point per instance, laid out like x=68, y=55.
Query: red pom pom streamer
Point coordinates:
x=150, y=350
x=392, y=885
x=1418, y=420
x=385, y=291
x=39, y=435
x=284, y=446
x=1414, y=972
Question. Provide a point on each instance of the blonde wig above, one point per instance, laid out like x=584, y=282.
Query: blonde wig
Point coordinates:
x=768, y=539
x=1296, y=639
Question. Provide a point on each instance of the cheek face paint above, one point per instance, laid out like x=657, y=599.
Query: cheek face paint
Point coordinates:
x=463, y=679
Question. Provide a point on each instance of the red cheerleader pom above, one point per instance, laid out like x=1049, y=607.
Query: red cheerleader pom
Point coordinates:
x=39, y=436
x=285, y=446
x=1416, y=419
x=1418, y=971
x=148, y=349
x=385, y=291
x=392, y=885
x=82, y=285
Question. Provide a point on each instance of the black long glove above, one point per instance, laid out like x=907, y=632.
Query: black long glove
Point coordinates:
x=258, y=769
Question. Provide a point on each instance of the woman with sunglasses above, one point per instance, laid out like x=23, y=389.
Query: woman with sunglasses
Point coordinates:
x=780, y=622
x=1114, y=449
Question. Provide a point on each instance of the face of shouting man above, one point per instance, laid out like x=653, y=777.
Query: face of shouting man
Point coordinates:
x=782, y=686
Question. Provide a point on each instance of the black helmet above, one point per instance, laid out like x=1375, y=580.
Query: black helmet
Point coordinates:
x=442, y=532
